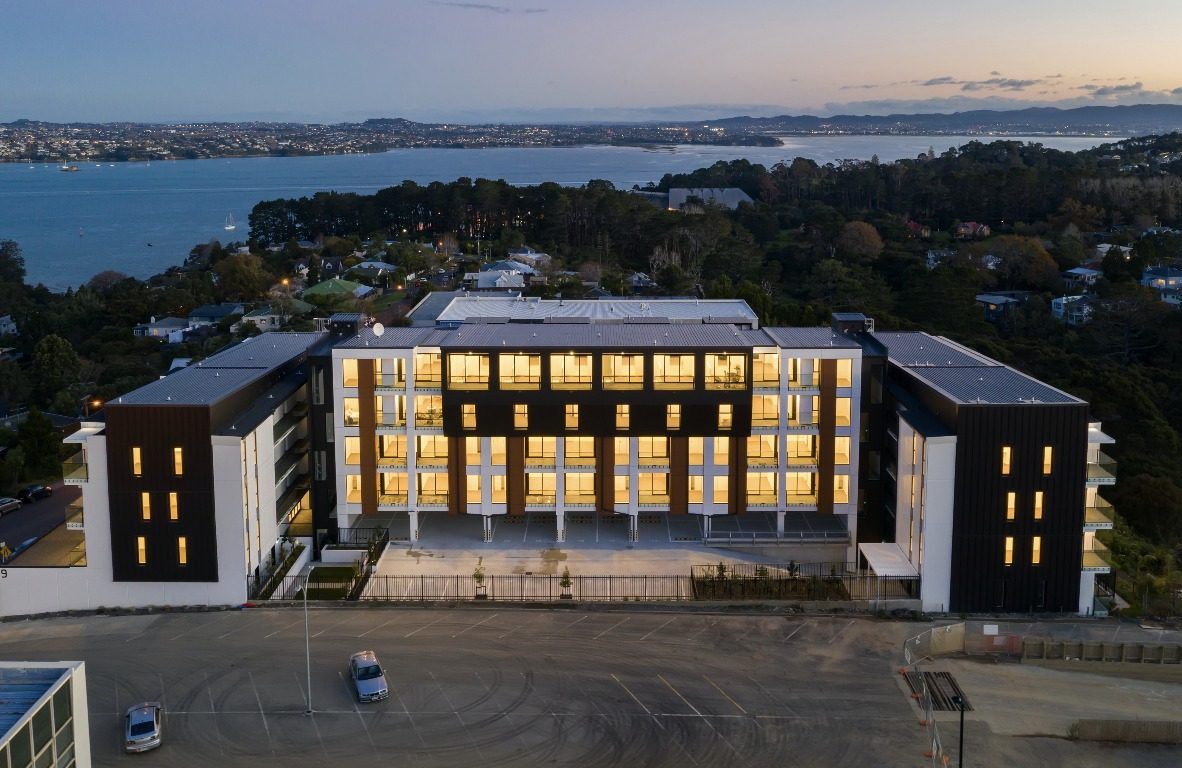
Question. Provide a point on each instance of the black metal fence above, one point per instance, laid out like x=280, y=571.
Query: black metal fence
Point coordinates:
x=523, y=588
x=796, y=581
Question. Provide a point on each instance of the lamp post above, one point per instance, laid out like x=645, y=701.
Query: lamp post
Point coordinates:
x=959, y=702
x=308, y=644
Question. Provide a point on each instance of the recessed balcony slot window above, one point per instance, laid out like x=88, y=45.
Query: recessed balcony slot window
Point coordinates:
x=146, y=506
x=652, y=451
x=352, y=450
x=570, y=371
x=391, y=450
x=1007, y=458
x=1047, y=455
x=389, y=374
x=761, y=488
x=623, y=416
x=796, y=374
x=431, y=450
x=540, y=487
x=174, y=507
x=496, y=451
x=432, y=487
x=799, y=411
x=622, y=451
x=726, y=416
x=579, y=488
x=765, y=411
x=137, y=465
x=468, y=415
x=351, y=411
x=521, y=416
x=845, y=372
x=765, y=369
x=841, y=450
x=540, y=451
x=472, y=451
x=395, y=417
x=1036, y=550
x=842, y=411
x=428, y=411
x=520, y=371
x=801, y=487
x=497, y=489
x=353, y=489
x=571, y=416
x=673, y=416
x=182, y=550
x=721, y=490
x=1038, y=497
x=579, y=451
x=392, y=488
x=802, y=449
x=762, y=450
x=349, y=372
x=725, y=371
x=623, y=371
x=1011, y=505
x=653, y=488
x=697, y=451
x=472, y=496
x=722, y=451
x=697, y=486
x=620, y=489
x=428, y=369
x=178, y=461
x=673, y=371
x=841, y=489
x=1009, y=553
x=141, y=550
x=467, y=370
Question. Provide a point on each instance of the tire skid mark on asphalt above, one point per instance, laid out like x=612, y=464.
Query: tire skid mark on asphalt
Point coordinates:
x=505, y=714
x=613, y=626
x=217, y=728
x=459, y=717
x=647, y=711
x=779, y=704
x=698, y=714
x=709, y=623
x=257, y=698
x=353, y=695
x=474, y=626
x=425, y=626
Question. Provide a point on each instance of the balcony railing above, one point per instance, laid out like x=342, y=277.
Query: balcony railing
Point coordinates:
x=75, y=470
x=802, y=382
x=1099, y=516
x=539, y=499
x=579, y=461
x=391, y=461
x=389, y=421
x=392, y=499
x=1103, y=470
x=433, y=499
x=1097, y=558
x=389, y=381
x=74, y=516
x=429, y=419
x=430, y=461
x=539, y=461
x=762, y=461
x=802, y=461
x=802, y=500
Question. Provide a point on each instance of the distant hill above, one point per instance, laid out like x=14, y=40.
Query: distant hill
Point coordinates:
x=1136, y=119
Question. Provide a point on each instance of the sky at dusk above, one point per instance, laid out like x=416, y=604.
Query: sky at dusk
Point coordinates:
x=539, y=60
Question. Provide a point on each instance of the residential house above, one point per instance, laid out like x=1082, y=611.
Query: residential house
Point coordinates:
x=527, y=255
x=273, y=316
x=493, y=280
x=1000, y=305
x=971, y=230
x=691, y=199
x=936, y=258
x=169, y=329
x=8, y=326
x=1081, y=278
x=1103, y=249
x=915, y=229
x=212, y=314
x=336, y=287
x=1073, y=310
x=1162, y=278
x=639, y=282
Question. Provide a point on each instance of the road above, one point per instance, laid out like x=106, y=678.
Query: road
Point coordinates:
x=36, y=519
x=504, y=686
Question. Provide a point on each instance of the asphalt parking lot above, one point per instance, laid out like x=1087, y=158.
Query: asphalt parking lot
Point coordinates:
x=503, y=686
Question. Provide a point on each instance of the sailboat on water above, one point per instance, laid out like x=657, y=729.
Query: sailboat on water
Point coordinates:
x=230, y=225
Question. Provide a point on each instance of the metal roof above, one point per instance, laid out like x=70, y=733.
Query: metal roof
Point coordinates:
x=917, y=349
x=585, y=335
x=395, y=338
x=810, y=338
x=20, y=689
x=467, y=308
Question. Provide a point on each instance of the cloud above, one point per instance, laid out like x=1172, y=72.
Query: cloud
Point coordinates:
x=1117, y=90
x=993, y=83
x=860, y=87
x=1053, y=77
x=486, y=7
x=995, y=73
x=942, y=80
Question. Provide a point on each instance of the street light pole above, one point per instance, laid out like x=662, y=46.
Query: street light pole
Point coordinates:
x=959, y=702
x=308, y=645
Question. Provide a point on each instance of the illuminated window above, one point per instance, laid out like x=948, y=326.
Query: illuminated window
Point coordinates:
x=352, y=450
x=389, y=374
x=579, y=488
x=722, y=451
x=652, y=451
x=499, y=485
x=571, y=416
x=761, y=487
x=432, y=487
x=570, y=371
x=726, y=416
x=721, y=490
x=845, y=372
x=428, y=369
x=391, y=450
x=697, y=485
x=1038, y=505
x=623, y=416
x=392, y=488
x=473, y=491
x=795, y=373
x=1047, y=453
x=496, y=450
x=349, y=372
x=468, y=415
x=697, y=451
x=841, y=450
x=842, y=411
x=801, y=487
x=519, y=371
x=182, y=550
x=1007, y=457
x=467, y=370
x=762, y=450
x=540, y=487
x=137, y=467
x=146, y=505
x=540, y=451
x=841, y=489
x=141, y=550
x=521, y=416
x=1011, y=505
x=431, y=450
x=673, y=416
x=174, y=507
x=621, y=451
x=351, y=408
x=765, y=369
x=178, y=461
x=1009, y=550
x=428, y=411
x=396, y=417
x=1036, y=550
x=725, y=371
x=620, y=489
x=652, y=488
x=765, y=411
x=472, y=451
x=802, y=449
x=792, y=410
x=353, y=489
x=579, y=451
x=673, y=371
x=623, y=371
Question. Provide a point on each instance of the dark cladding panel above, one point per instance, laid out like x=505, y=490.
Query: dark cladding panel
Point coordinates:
x=367, y=428
x=827, y=420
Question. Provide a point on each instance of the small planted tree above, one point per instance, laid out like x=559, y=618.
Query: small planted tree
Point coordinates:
x=478, y=577
x=565, y=583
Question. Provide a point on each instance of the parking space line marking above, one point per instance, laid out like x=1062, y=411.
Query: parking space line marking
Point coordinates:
x=217, y=728
x=667, y=623
x=330, y=626
x=838, y=632
x=647, y=711
x=798, y=628
x=420, y=629
x=353, y=697
x=263, y=714
x=456, y=712
x=187, y=631
x=511, y=631
x=410, y=718
x=375, y=629
x=724, y=693
x=707, y=626
x=506, y=715
x=287, y=626
x=609, y=629
x=697, y=713
x=477, y=624
x=232, y=631
x=576, y=621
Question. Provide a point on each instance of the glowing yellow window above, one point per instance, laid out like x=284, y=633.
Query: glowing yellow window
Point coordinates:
x=467, y=370
x=391, y=450
x=1036, y=550
x=579, y=487
x=765, y=411
x=473, y=490
x=623, y=371
x=472, y=451
x=570, y=371
x=1038, y=505
x=761, y=487
x=1007, y=458
x=571, y=416
x=623, y=416
x=468, y=415
x=673, y=416
x=352, y=450
x=540, y=451
x=673, y=371
x=540, y=487
x=845, y=372
x=762, y=450
x=1011, y=505
x=765, y=369
x=721, y=490
x=697, y=485
x=353, y=489
x=521, y=416
x=520, y=371
x=621, y=451
x=722, y=451
x=392, y=488
x=652, y=488
x=432, y=487
x=726, y=416
x=431, y=450
x=428, y=411
x=842, y=411
x=351, y=410
x=579, y=451
x=841, y=450
x=141, y=550
x=697, y=451
x=496, y=451
x=428, y=369
x=1047, y=453
x=652, y=451
x=499, y=485
x=841, y=489
x=137, y=466
x=1009, y=550
x=802, y=449
x=178, y=461
x=724, y=371
x=174, y=512
x=146, y=505
x=620, y=489
x=349, y=372
x=182, y=550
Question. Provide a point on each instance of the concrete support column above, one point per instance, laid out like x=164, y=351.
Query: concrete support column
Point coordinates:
x=780, y=523
x=487, y=526
x=414, y=526
x=560, y=516
x=706, y=525
x=633, y=527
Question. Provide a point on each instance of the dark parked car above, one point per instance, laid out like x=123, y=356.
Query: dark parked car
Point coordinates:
x=31, y=493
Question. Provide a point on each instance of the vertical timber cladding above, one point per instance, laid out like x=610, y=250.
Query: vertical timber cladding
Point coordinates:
x=980, y=579
x=457, y=476
x=605, y=474
x=367, y=418
x=827, y=421
x=678, y=475
x=515, y=470
x=156, y=430
x=738, y=471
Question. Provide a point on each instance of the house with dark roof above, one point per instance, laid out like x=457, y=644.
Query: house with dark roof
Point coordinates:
x=689, y=199
x=212, y=314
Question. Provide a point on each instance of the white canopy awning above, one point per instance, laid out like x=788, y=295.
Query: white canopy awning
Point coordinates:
x=888, y=560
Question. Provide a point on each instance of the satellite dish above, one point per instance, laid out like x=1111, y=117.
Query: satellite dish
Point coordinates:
x=378, y=329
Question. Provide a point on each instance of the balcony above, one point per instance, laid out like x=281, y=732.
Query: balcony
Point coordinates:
x=763, y=461
x=387, y=421
x=1096, y=558
x=802, y=500
x=290, y=421
x=802, y=461
x=539, y=500
x=1103, y=470
x=74, y=517
x=394, y=499
x=429, y=419
x=389, y=381
x=432, y=499
x=391, y=461
x=74, y=469
x=287, y=463
x=1099, y=516
x=540, y=461
x=430, y=461
x=802, y=382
